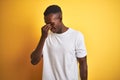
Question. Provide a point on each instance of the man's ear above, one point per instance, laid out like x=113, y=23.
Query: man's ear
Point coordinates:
x=60, y=16
x=61, y=19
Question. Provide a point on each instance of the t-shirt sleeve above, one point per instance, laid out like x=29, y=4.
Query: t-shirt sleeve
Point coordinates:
x=80, y=49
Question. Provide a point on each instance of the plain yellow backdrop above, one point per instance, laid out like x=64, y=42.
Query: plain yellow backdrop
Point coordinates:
x=20, y=30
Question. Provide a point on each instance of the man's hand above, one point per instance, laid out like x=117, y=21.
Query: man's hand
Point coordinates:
x=35, y=57
x=45, y=30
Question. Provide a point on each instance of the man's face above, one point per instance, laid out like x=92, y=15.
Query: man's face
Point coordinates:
x=55, y=21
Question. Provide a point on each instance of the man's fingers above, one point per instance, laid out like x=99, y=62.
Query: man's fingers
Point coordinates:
x=46, y=27
x=49, y=27
x=45, y=30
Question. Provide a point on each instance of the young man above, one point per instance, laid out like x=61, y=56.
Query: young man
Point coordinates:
x=61, y=49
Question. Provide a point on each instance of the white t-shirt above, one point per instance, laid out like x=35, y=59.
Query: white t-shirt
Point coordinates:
x=60, y=54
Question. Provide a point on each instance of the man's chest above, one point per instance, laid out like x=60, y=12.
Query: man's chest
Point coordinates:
x=61, y=44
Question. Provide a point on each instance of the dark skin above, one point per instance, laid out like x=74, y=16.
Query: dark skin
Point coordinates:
x=83, y=67
x=55, y=24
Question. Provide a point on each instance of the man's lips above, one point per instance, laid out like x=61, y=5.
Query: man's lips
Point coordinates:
x=52, y=27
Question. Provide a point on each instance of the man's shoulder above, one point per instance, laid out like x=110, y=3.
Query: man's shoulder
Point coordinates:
x=76, y=32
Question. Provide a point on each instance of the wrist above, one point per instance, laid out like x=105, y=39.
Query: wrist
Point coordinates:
x=43, y=38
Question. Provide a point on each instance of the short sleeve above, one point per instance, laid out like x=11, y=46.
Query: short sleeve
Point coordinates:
x=80, y=49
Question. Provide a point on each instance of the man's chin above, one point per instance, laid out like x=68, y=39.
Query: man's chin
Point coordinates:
x=53, y=30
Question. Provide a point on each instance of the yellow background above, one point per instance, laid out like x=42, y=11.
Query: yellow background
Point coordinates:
x=20, y=30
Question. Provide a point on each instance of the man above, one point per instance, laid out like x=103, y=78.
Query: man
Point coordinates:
x=61, y=49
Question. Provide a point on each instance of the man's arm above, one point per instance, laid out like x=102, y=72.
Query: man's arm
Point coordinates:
x=37, y=53
x=83, y=68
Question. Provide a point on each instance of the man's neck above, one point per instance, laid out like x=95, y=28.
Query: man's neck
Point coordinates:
x=63, y=29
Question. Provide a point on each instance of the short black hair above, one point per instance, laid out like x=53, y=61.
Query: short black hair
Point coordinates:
x=52, y=9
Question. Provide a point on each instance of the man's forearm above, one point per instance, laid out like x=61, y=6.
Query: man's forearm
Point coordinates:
x=40, y=44
x=83, y=71
x=37, y=53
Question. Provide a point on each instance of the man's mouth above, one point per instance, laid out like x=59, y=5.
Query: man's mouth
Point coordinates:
x=53, y=29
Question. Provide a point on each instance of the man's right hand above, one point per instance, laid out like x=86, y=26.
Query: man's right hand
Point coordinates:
x=45, y=30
